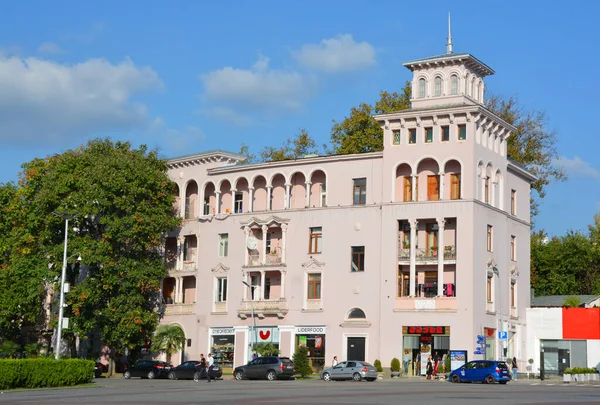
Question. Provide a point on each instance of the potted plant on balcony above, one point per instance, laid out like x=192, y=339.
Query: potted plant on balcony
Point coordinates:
x=434, y=251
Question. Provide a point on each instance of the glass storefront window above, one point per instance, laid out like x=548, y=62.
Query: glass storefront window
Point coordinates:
x=222, y=350
x=316, y=349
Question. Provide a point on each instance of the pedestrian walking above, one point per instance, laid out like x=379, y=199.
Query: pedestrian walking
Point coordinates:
x=209, y=363
x=334, y=362
x=515, y=368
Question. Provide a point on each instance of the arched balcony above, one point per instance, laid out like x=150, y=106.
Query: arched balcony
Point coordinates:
x=190, y=253
x=403, y=187
x=179, y=293
x=171, y=253
x=498, y=190
x=487, y=184
x=225, y=197
x=428, y=175
x=177, y=202
x=318, y=189
x=209, y=206
x=278, y=192
x=241, y=195
x=452, y=178
x=191, y=200
x=259, y=201
x=298, y=191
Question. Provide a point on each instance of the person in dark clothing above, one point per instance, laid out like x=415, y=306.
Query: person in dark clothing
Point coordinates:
x=429, y=368
x=202, y=365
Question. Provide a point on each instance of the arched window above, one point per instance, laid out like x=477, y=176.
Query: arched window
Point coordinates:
x=454, y=85
x=421, y=88
x=438, y=86
x=357, y=313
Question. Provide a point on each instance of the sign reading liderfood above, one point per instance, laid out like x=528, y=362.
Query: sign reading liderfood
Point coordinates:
x=222, y=331
x=311, y=330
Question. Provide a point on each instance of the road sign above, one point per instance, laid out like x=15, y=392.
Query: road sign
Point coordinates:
x=502, y=335
x=480, y=340
x=478, y=350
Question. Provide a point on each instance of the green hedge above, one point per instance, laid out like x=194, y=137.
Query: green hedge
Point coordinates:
x=580, y=370
x=37, y=373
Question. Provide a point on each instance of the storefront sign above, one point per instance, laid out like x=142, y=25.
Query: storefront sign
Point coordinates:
x=268, y=334
x=311, y=330
x=426, y=330
x=222, y=331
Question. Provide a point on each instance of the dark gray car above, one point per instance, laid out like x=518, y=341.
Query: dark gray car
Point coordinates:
x=350, y=370
x=268, y=367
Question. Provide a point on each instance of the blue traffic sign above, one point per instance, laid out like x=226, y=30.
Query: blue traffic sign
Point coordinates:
x=502, y=334
x=478, y=350
x=480, y=340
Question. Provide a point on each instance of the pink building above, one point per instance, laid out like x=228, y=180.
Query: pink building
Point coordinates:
x=419, y=248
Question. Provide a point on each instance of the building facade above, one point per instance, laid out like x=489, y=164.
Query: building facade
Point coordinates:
x=417, y=249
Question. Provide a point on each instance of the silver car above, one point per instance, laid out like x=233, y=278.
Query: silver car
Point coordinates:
x=350, y=370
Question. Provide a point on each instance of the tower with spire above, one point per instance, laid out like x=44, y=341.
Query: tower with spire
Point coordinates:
x=448, y=79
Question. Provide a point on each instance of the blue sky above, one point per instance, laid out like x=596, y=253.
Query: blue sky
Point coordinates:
x=191, y=76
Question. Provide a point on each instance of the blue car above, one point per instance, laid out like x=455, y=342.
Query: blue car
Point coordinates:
x=485, y=371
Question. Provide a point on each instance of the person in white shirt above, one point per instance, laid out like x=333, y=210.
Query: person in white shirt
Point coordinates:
x=334, y=362
x=209, y=363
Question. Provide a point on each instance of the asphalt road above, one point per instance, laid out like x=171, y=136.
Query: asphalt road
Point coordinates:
x=307, y=392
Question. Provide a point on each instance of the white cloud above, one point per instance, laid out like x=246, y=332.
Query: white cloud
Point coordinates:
x=228, y=115
x=50, y=48
x=579, y=167
x=258, y=88
x=338, y=54
x=180, y=141
x=44, y=102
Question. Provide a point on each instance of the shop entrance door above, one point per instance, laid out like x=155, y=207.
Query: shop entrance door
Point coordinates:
x=356, y=348
x=564, y=360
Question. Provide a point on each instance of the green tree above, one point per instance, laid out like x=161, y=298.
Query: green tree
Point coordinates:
x=121, y=201
x=359, y=132
x=249, y=157
x=169, y=339
x=266, y=349
x=301, y=361
x=533, y=144
x=293, y=148
x=9, y=349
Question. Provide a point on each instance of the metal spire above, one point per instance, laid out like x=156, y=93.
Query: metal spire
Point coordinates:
x=449, y=43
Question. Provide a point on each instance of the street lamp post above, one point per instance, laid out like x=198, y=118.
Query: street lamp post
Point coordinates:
x=252, y=287
x=62, y=292
x=503, y=341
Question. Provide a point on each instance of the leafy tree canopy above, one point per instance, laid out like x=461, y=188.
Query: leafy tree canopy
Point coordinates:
x=120, y=201
x=293, y=148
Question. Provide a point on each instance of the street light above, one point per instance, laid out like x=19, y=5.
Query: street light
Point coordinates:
x=252, y=287
x=503, y=341
x=62, y=289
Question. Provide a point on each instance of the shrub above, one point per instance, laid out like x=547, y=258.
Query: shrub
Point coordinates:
x=377, y=365
x=44, y=372
x=580, y=370
x=571, y=302
x=395, y=365
x=301, y=362
x=267, y=349
x=448, y=364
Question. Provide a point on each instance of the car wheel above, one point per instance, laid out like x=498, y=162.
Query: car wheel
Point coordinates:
x=271, y=376
x=455, y=378
x=197, y=376
x=356, y=377
x=151, y=375
x=239, y=375
x=127, y=375
x=490, y=379
x=326, y=377
x=172, y=376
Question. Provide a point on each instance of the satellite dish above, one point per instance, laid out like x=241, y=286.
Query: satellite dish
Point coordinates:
x=252, y=243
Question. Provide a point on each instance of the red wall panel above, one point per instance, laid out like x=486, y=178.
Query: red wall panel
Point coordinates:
x=581, y=323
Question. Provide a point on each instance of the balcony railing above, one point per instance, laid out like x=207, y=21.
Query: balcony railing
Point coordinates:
x=179, y=309
x=221, y=307
x=313, y=305
x=426, y=304
x=427, y=255
x=189, y=266
x=261, y=308
x=270, y=260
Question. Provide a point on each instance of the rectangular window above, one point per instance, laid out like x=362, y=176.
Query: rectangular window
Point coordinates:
x=489, y=238
x=396, y=137
x=445, y=133
x=432, y=237
x=513, y=202
x=428, y=135
x=412, y=135
x=223, y=244
x=513, y=247
x=221, y=293
x=513, y=295
x=239, y=199
x=360, y=191
x=206, y=208
x=489, y=289
x=314, y=287
x=433, y=188
x=314, y=242
x=455, y=186
x=462, y=132
x=358, y=258
x=408, y=188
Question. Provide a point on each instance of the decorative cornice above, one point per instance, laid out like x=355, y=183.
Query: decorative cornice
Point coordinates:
x=255, y=221
x=215, y=156
x=313, y=263
x=220, y=269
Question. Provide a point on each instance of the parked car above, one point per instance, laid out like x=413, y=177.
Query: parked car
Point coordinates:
x=268, y=367
x=191, y=369
x=487, y=371
x=148, y=369
x=100, y=368
x=350, y=370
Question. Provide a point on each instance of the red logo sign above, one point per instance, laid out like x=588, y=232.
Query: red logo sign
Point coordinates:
x=264, y=335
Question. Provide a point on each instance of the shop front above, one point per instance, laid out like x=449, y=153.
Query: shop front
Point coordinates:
x=421, y=343
x=265, y=337
x=222, y=344
x=313, y=338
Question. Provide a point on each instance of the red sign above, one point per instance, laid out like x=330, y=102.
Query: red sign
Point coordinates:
x=264, y=335
x=581, y=323
x=318, y=342
x=426, y=330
